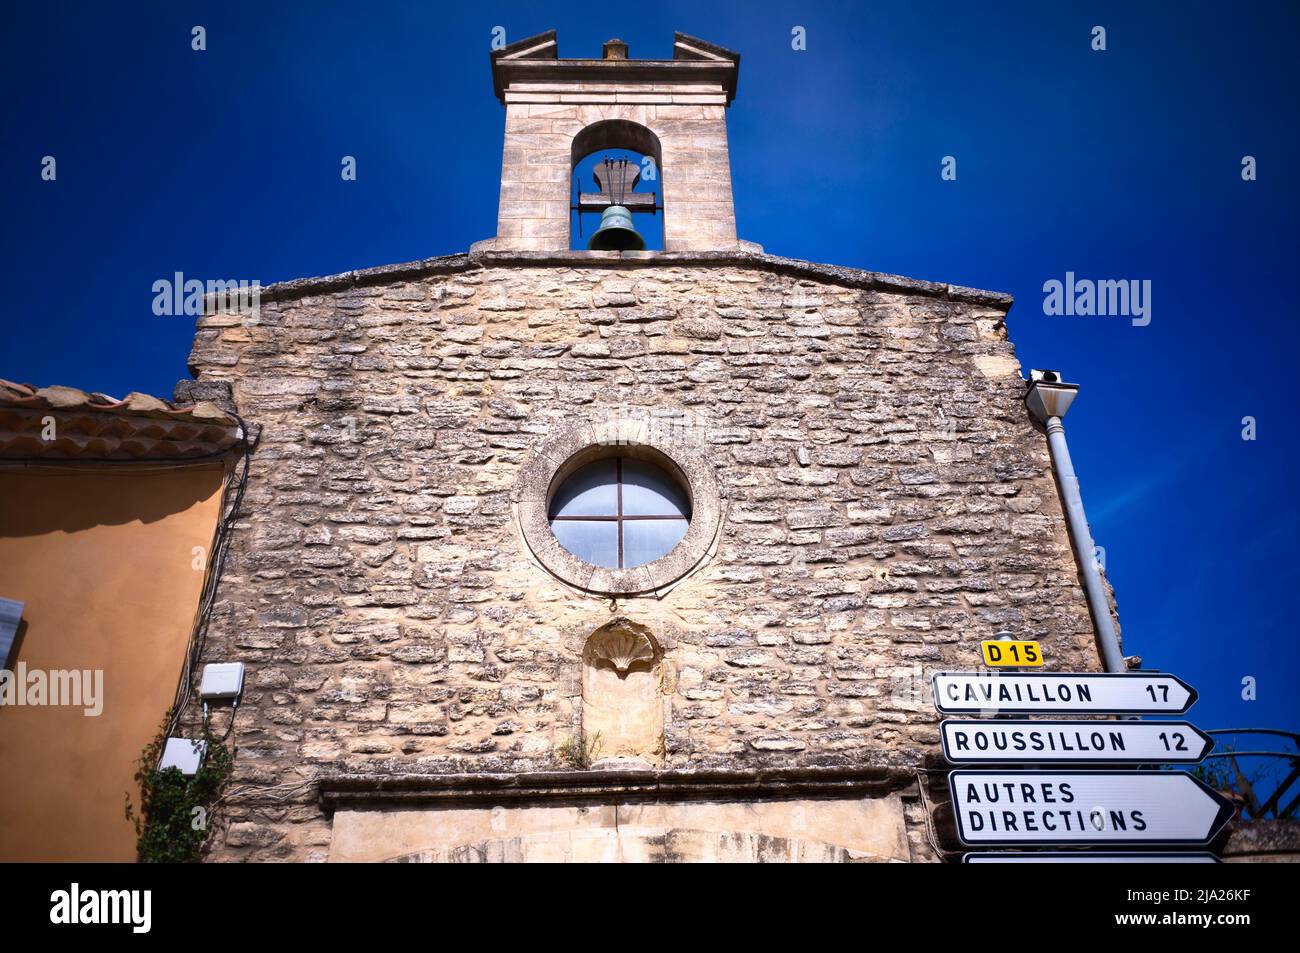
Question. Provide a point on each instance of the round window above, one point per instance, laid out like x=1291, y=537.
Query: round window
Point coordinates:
x=622, y=507
x=619, y=512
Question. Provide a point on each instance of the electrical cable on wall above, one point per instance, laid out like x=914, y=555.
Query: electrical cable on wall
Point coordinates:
x=234, y=496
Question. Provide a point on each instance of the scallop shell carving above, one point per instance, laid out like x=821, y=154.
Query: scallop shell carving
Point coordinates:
x=622, y=649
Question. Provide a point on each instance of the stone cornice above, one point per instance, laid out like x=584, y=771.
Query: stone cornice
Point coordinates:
x=734, y=258
x=650, y=73
x=461, y=790
x=535, y=59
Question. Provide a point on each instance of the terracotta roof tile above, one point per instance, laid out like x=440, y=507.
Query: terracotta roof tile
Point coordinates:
x=96, y=426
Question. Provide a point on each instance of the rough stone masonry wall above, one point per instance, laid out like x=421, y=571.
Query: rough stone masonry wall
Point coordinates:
x=378, y=590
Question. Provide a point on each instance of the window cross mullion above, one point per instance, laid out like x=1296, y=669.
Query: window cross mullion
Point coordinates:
x=618, y=479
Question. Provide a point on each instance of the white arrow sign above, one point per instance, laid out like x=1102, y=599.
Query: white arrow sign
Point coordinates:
x=1085, y=807
x=1060, y=693
x=1091, y=857
x=1064, y=742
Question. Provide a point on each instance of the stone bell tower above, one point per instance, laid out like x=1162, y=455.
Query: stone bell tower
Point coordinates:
x=559, y=111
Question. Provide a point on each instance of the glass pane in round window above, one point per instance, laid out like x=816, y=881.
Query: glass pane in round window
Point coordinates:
x=620, y=512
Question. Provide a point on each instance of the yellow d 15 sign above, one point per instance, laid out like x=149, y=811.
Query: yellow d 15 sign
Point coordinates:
x=1012, y=653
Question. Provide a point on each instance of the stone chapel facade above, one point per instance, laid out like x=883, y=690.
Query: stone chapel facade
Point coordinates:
x=855, y=496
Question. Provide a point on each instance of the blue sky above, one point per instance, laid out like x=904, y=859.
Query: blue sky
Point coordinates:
x=1122, y=164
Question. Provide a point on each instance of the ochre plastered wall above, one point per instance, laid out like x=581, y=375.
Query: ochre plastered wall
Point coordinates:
x=104, y=561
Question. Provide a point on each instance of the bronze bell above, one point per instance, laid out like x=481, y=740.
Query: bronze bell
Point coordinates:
x=616, y=179
x=616, y=232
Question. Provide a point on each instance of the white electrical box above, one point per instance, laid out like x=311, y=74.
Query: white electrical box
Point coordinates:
x=185, y=754
x=221, y=681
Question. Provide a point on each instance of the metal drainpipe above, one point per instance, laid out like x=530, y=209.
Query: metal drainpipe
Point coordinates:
x=1048, y=399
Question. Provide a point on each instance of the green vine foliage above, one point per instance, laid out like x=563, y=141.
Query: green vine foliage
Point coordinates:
x=176, y=813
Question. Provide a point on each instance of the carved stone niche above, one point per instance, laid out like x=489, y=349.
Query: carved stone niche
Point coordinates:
x=622, y=695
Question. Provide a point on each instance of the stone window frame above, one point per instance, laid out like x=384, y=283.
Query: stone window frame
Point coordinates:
x=641, y=437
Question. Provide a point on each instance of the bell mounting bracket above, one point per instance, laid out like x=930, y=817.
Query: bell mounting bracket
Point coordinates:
x=616, y=179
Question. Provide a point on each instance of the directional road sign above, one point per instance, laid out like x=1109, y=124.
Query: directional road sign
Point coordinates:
x=989, y=741
x=1091, y=857
x=1085, y=807
x=1061, y=693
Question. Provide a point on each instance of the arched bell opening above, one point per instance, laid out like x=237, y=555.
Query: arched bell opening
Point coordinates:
x=617, y=192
